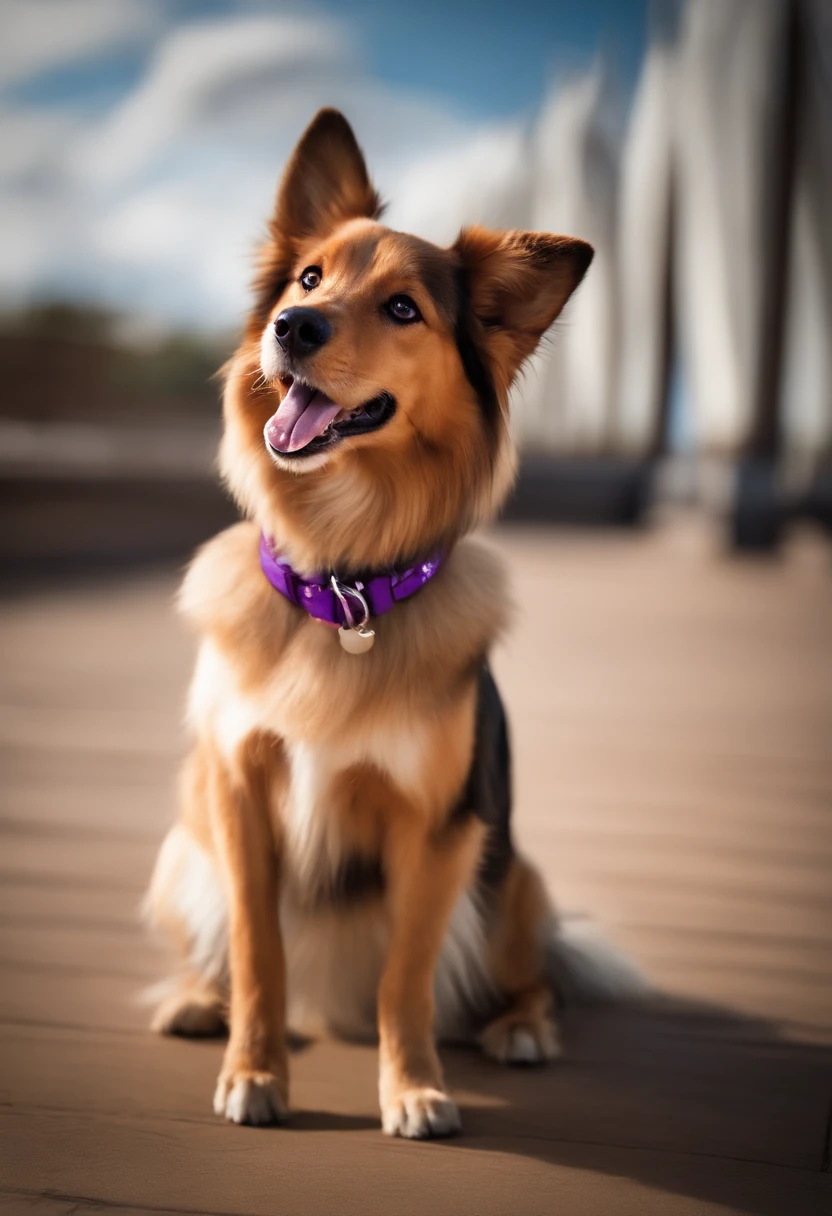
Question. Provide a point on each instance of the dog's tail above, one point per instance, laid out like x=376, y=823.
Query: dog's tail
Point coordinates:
x=586, y=968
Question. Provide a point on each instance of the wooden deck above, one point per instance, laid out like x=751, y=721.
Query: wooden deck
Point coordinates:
x=672, y=719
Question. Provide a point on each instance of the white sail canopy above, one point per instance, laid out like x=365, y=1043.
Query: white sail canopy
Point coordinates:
x=730, y=65
x=807, y=370
x=682, y=212
x=644, y=233
x=565, y=401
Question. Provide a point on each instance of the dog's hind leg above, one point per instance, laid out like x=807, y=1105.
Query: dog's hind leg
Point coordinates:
x=192, y=1007
x=187, y=904
x=518, y=917
x=518, y=931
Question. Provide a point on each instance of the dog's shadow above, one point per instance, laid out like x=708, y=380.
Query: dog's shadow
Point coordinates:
x=682, y=1097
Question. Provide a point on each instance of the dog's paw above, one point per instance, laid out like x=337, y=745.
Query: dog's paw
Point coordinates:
x=255, y=1098
x=192, y=1015
x=418, y=1114
x=514, y=1040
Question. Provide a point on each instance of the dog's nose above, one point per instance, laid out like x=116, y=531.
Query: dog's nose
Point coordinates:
x=300, y=331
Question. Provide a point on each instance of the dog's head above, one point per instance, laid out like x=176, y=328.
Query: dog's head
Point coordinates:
x=366, y=410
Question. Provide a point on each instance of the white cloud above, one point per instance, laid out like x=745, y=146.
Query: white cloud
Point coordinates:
x=39, y=35
x=216, y=82
x=31, y=141
x=23, y=244
x=156, y=206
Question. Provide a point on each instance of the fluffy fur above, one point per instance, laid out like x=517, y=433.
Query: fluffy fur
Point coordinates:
x=343, y=859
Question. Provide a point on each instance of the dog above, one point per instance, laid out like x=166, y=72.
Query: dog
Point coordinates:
x=343, y=860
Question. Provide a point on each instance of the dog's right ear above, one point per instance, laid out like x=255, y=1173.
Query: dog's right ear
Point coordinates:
x=324, y=184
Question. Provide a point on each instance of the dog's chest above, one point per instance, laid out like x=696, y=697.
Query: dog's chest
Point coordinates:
x=320, y=803
x=321, y=815
x=330, y=814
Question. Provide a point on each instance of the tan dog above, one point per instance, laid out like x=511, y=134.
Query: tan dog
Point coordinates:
x=344, y=853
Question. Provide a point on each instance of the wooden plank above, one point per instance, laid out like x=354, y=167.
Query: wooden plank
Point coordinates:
x=763, y=1102
x=23, y=903
x=332, y=1163
x=78, y=862
x=70, y=951
x=671, y=717
x=91, y=1001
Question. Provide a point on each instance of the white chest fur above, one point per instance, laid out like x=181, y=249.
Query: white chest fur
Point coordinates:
x=219, y=709
x=310, y=827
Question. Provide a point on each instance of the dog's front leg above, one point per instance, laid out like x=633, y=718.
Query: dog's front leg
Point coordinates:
x=253, y=1084
x=426, y=871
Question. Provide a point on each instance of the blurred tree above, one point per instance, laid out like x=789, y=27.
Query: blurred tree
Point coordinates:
x=62, y=361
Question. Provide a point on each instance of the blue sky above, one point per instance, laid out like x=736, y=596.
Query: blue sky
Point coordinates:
x=138, y=136
x=495, y=58
x=487, y=59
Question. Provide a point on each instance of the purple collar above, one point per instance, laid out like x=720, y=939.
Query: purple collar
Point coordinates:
x=317, y=594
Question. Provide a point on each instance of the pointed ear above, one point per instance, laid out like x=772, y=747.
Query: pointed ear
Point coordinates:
x=516, y=285
x=324, y=184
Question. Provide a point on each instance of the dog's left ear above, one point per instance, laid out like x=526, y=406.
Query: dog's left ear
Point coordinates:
x=324, y=184
x=516, y=284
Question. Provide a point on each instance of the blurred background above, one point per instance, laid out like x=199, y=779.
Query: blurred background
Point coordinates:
x=669, y=693
x=691, y=143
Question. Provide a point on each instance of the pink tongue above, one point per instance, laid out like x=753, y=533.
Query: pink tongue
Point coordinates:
x=304, y=414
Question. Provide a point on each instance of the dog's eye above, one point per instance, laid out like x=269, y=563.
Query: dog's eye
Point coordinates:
x=311, y=278
x=403, y=310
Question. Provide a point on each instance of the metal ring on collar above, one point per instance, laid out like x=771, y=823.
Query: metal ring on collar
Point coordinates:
x=342, y=590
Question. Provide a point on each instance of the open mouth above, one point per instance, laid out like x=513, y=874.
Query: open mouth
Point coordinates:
x=307, y=421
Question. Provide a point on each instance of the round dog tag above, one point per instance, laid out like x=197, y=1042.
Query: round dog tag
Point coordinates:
x=356, y=641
